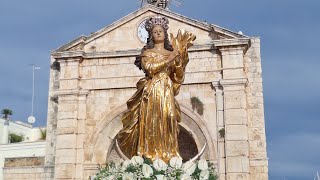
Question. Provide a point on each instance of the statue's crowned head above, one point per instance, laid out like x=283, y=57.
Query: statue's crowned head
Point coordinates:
x=150, y=24
x=157, y=21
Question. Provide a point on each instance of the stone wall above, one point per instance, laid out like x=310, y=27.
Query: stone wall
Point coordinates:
x=240, y=110
x=27, y=173
x=256, y=124
x=23, y=161
x=20, y=150
x=52, y=113
x=27, y=168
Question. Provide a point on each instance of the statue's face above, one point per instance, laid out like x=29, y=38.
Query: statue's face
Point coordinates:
x=158, y=34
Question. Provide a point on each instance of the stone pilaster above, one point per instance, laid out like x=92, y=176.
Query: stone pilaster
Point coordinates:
x=235, y=115
x=70, y=117
x=236, y=129
x=52, y=113
x=232, y=63
x=82, y=111
x=221, y=156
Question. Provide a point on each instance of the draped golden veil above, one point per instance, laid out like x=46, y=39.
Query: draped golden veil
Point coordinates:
x=150, y=125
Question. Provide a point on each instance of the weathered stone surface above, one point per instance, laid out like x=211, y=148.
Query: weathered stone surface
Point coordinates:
x=259, y=176
x=239, y=164
x=236, y=132
x=236, y=117
x=256, y=134
x=235, y=100
x=65, y=153
x=66, y=141
x=31, y=172
x=237, y=148
x=62, y=171
x=256, y=124
x=29, y=161
x=222, y=166
x=65, y=160
x=238, y=176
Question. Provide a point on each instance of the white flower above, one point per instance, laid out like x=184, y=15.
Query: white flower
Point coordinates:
x=125, y=164
x=147, y=170
x=176, y=162
x=189, y=167
x=113, y=169
x=110, y=177
x=204, y=175
x=186, y=177
x=160, y=177
x=127, y=176
x=203, y=164
x=159, y=165
x=117, y=165
x=137, y=160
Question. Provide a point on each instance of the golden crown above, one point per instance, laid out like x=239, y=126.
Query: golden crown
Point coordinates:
x=157, y=21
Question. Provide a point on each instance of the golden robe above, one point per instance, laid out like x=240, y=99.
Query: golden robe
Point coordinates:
x=150, y=125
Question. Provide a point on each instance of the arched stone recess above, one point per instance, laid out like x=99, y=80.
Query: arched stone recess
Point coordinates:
x=100, y=146
x=196, y=125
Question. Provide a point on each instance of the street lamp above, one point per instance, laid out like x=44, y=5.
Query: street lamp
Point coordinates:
x=31, y=118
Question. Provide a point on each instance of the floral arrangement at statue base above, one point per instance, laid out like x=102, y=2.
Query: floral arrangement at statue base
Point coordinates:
x=139, y=168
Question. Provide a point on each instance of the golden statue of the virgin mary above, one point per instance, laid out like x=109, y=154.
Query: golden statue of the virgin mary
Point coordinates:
x=150, y=125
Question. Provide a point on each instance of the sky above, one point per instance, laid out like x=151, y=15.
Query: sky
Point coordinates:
x=289, y=32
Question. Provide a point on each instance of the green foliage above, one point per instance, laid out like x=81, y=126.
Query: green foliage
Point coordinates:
x=212, y=175
x=222, y=132
x=147, y=160
x=196, y=173
x=43, y=133
x=14, y=138
x=55, y=65
x=197, y=105
x=6, y=112
x=132, y=168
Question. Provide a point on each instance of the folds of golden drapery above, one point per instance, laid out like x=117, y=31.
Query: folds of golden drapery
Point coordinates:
x=128, y=136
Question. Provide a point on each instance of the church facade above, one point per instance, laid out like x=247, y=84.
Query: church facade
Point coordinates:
x=221, y=100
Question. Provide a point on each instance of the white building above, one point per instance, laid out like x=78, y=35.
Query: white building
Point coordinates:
x=32, y=146
x=20, y=128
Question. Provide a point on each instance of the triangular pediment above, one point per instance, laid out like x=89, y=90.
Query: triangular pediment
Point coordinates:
x=122, y=34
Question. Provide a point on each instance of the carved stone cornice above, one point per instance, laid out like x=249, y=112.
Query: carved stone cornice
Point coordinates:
x=68, y=54
x=64, y=56
x=216, y=84
x=229, y=82
x=231, y=42
x=229, y=45
x=232, y=82
x=71, y=92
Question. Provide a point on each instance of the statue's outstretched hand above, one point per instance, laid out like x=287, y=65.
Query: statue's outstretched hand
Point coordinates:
x=173, y=55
